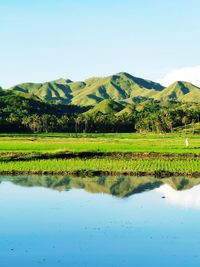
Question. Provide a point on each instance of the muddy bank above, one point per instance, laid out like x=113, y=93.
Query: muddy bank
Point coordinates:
x=20, y=156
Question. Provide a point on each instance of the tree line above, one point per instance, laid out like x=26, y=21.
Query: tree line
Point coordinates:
x=18, y=114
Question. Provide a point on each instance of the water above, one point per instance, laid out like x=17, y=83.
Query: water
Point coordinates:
x=64, y=221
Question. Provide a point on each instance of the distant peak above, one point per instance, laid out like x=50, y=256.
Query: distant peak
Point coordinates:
x=122, y=73
x=126, y=74
x=61, y=80
x=181, y=83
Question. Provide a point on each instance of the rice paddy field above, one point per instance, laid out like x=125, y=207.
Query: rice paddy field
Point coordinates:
x=155, y=167
x=100, y=143
x=100, y=153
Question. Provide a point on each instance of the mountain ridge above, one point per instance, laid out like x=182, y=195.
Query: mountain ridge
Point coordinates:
x=121, y=87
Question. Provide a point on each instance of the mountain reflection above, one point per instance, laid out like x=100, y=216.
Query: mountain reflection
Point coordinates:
x=118, y=186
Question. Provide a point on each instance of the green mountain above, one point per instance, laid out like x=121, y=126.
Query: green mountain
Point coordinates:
x=107, y=106
x=14, y=106
x=180, y=91
x=121, y=87
x=56, y=91
x=125, y=111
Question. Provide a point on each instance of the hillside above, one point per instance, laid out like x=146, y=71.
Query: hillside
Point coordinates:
x=189, y=128
x=125, y=111
x=56, y=91
x=180, y=91
x=107, y=106
x=23, y=112
x=14, y=107
x=121, y=87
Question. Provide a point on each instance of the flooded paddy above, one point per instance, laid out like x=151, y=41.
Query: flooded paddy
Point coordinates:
x=99, y=221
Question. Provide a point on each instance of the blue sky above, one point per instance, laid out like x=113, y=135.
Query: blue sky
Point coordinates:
x=49, y=39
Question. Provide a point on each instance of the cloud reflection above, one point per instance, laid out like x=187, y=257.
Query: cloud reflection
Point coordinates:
x=187, y=198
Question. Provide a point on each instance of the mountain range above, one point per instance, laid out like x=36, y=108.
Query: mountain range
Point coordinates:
x=122, y=87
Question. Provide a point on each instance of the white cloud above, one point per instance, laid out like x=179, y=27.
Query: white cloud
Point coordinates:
x=189, y=74
x=187, y=198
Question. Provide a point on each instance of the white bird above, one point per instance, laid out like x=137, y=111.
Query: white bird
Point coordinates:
x=186, y=142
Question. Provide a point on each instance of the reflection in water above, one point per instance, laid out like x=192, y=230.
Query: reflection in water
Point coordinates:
x=118, y=186
x=188, y=198
x=55, y=228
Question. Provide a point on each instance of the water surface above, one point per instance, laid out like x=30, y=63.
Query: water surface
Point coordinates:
x=102, y=221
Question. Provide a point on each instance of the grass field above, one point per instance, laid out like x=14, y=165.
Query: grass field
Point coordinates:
x=47, y=153
x=99, y=143
x=95, y=166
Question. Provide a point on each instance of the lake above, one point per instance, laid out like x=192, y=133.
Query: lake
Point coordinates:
x=100, y=221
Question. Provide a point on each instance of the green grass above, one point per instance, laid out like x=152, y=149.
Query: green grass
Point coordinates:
x=48, y=153
x=103, y=165
x=99, y=143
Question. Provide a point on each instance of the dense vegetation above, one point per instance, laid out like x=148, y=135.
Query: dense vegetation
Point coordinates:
x=118, y=103
x=27, y=113
x=20, y=114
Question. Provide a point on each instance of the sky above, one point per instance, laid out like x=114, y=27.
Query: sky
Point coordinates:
x=43, y=40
